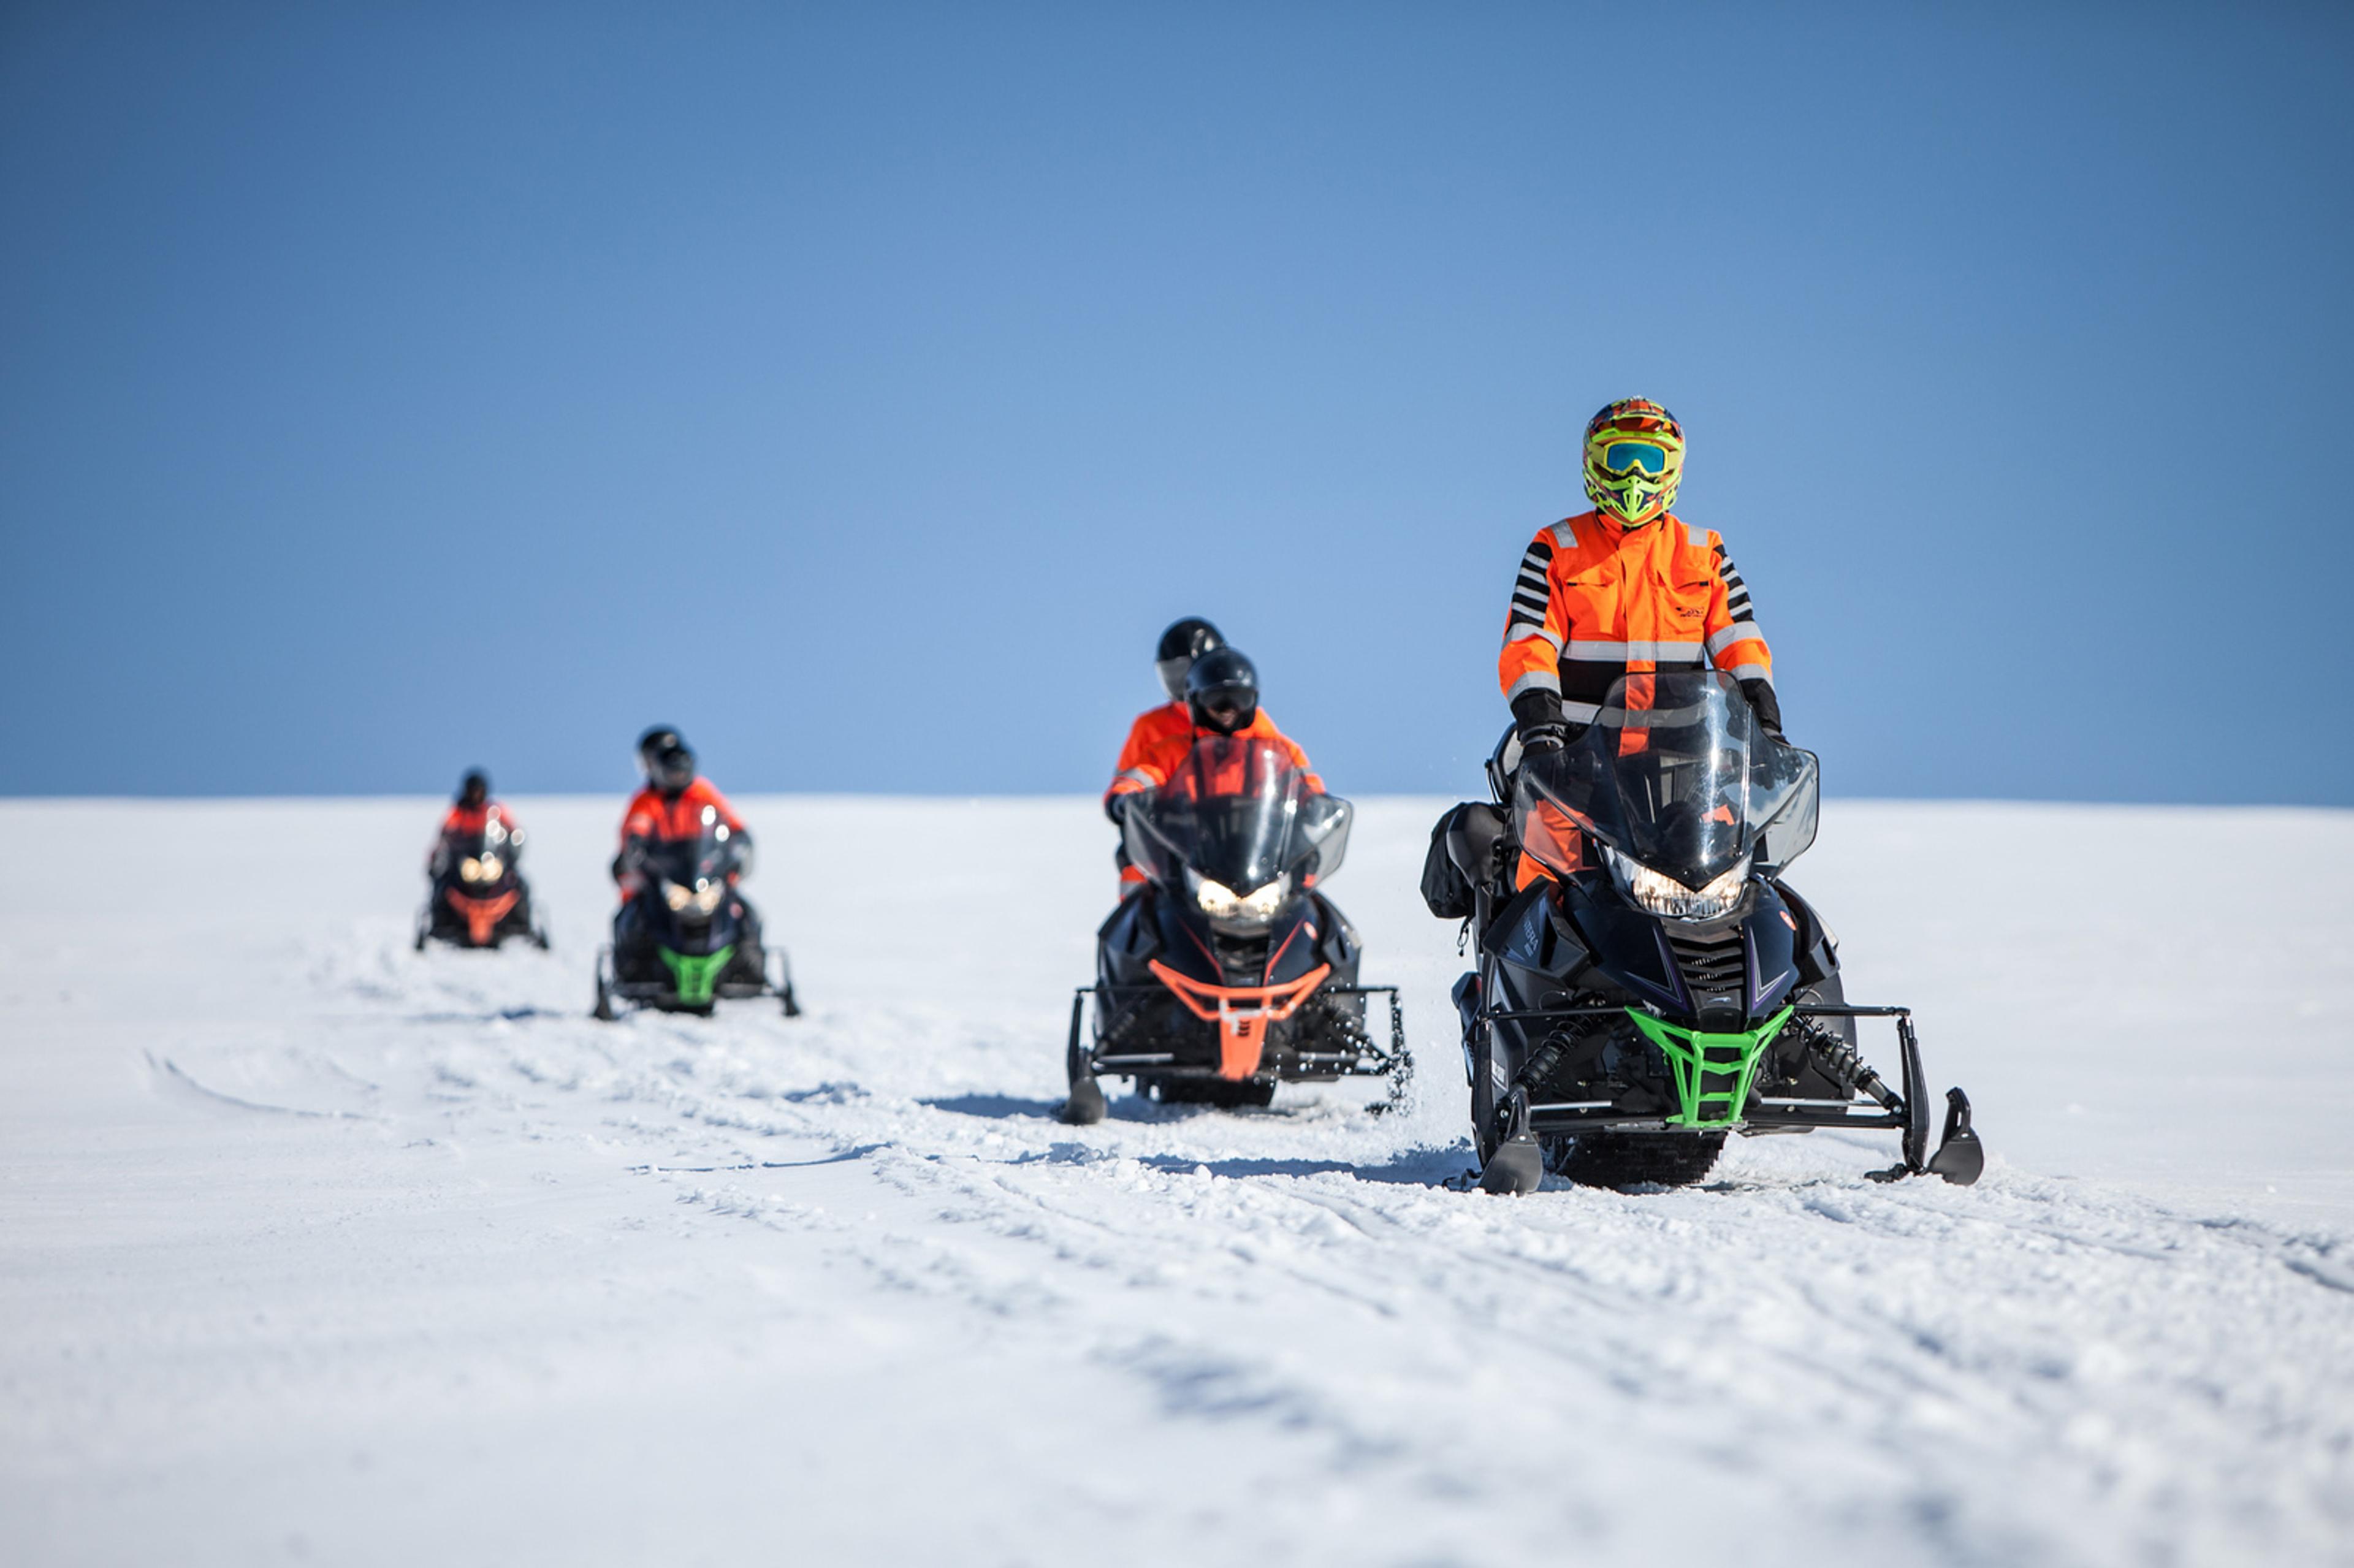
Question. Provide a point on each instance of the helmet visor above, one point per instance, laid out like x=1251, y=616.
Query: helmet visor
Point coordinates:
x=1228, y=707
x=672, y=769
x=1627, y=457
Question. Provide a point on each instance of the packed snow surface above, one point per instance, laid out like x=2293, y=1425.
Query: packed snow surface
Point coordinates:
x=315, y=1249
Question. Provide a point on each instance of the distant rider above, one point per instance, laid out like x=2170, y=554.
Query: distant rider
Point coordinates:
x=1155, y=728
x=463, y=826
x=1626, y=588
x=667, y=809
x=1221, y=699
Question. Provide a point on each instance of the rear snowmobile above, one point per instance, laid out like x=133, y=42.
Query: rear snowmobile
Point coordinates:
x=1228, y=972
x=690, y=938
x=478, y=896
x=1662, y=986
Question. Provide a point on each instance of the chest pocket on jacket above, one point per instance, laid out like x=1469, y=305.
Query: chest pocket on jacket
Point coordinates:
x=1691, y=583
x=1593, y=602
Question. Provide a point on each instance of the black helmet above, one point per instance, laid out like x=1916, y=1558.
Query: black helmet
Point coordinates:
x=665, y=759
x=1221, y=691
x=1182, y=643
x=475, y=789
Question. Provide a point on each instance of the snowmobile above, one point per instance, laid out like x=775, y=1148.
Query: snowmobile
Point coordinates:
x=1660, y=986
x=690, y=938
x=1228, y=972
x=478, y=896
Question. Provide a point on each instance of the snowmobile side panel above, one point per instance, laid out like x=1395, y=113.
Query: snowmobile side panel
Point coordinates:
x=1631, y=950
x=1817, y=951
x=1769, y=936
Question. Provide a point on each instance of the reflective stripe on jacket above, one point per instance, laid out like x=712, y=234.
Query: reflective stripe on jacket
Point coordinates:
x=1150, y=736
x=1595, y=600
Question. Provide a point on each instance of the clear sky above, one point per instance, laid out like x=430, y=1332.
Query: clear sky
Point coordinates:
x=861, y=387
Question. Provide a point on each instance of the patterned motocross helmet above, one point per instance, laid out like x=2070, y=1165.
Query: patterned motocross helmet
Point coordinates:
x=1634, y=461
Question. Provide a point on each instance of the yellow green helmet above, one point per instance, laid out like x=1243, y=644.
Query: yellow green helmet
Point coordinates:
x=1634, y=461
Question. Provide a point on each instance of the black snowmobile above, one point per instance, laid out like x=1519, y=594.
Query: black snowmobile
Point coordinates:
x=1662, y=986
x=1228, y=972
x=690, y=938
x=478, y=897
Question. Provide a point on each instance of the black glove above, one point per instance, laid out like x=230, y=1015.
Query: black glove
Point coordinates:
x=1768, y=707
x=1116, y=807
x=1537, y=715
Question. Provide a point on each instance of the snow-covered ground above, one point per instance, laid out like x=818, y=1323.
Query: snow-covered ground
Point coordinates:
x=312, y=1248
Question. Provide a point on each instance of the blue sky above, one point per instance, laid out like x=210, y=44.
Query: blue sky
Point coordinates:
x=862, y=388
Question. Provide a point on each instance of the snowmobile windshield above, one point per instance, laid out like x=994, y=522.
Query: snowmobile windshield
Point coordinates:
x=482, y=855
x=1675, y=774
x=707, y=858
x=1237, y=812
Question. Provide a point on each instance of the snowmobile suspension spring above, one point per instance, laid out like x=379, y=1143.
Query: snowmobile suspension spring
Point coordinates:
x=1843, y=1066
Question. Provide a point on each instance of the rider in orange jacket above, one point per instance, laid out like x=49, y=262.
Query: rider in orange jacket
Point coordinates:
x=1626, y=588
x=1184, y=641
x=671, y=806
x=1162, y=733
x=1221, y=699
x=469, y=815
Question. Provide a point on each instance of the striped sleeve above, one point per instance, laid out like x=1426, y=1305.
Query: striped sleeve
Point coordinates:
x=1531, y=661
x=1735, y=643
x=1529, y=592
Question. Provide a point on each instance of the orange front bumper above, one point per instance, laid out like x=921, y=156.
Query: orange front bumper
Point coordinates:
x=1242, y=1012
x=483, y=914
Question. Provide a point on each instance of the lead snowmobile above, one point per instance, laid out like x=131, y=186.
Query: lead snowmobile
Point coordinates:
x=690, y=938
x=1228, y=972
x=477, y=896
x=1660, y=986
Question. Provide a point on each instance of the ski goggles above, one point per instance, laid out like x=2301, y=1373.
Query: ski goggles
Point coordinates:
x=1227, y=704
x=672, y=769
x=1626, y=456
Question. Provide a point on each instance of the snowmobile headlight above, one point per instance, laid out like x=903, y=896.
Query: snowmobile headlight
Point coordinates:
x=707, y=896
x=490, y=866
x=470, y=869
x=1220, y=902
x=677, y=895
x=1663, y=895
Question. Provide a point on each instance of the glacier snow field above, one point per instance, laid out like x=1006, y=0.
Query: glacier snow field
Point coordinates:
x=315, y=1249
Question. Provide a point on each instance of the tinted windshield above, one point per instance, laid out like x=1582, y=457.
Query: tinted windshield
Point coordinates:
x=1238, y=812
x=706, y=857
x=493, y=838
x=1675, y=773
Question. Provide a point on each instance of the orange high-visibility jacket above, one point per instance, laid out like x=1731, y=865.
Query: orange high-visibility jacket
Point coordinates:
x=474, y=818
x=466, y=823
x=1153, y=732
x=651, y=817
x=1153, y=753
x=1594, y=601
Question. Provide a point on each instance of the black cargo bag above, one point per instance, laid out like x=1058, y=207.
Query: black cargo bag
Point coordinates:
x=1463, y=845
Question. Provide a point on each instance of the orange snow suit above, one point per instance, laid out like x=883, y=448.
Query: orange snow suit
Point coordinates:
x=1594, y=601
x=1159, y=740
x=1159, y=757
x=465, y=823
x=657, y=821
x=471, y=819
